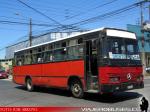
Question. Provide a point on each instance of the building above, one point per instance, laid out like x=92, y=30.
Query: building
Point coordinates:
x=144, y=43
x=6, y=64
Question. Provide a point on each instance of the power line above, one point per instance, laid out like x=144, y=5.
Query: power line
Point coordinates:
x=104, y=16
x=39, y=12
x=63, y=26
x=109, y=14
x=101, y=17
x=17, y=40
x=24, y=18
x=8, y=17
x=87, y=11
x=22, y=23
x=47, y=5
x=74, y=27
x=8, y=6
x=41, y=25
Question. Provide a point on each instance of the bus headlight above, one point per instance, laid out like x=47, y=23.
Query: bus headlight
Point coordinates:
x=114, y=79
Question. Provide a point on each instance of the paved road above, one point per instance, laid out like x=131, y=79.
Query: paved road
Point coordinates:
x=15, y=95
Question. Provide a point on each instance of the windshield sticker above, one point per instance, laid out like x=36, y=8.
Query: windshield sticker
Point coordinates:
x=133, y=57
x=124, y=56
x=118, y=56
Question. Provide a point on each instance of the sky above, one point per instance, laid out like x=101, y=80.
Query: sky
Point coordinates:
x=64, y=12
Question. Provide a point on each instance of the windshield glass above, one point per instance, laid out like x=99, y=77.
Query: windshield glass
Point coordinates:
x=121, y=51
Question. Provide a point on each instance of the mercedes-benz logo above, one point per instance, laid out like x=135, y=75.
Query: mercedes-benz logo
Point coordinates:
x=129, y=76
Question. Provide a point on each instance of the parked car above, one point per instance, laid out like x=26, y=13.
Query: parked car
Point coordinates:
x=3, y=74
x=148, y=69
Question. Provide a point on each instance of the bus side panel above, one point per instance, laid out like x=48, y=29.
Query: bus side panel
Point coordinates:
x=50, y=74
x=16, y=77
x=57, y=73
x=34, y=71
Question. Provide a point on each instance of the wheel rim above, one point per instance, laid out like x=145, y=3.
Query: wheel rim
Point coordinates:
x=29, y=84
x=76, y=89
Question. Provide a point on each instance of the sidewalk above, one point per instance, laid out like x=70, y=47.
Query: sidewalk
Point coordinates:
x=146, y=77
x=8, y=79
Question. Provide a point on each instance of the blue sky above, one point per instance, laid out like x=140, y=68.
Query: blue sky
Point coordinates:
x=63, y=11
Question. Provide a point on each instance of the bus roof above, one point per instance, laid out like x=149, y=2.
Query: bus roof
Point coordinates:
x=111, y=32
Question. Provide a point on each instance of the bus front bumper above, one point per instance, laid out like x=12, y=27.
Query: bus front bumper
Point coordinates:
x=108, y=88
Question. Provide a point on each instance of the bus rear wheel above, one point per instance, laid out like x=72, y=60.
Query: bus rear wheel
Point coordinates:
x=76, y=89
x=29, y=84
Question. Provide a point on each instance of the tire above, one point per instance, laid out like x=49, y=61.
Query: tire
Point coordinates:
x=29, y=84
x=108, y=94
x=77, y=89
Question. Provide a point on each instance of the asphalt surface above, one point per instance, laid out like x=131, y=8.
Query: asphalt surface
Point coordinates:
x=16, y=95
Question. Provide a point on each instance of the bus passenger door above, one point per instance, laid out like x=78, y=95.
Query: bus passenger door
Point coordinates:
x=91, y=66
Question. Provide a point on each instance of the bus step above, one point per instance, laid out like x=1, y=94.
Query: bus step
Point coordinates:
x=92, y=91
x=94, y=86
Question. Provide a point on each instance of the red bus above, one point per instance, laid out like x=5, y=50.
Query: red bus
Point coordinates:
x=103, y=60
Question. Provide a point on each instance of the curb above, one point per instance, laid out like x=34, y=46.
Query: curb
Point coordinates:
x=146, y=77
x=6, y=79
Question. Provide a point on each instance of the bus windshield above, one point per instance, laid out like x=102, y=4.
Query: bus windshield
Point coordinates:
x=122, y=51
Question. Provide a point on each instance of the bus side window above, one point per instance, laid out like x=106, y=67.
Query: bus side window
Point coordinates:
x=27, y=59
x=72, y=42
x=40, y=58
x=57, y=55
x=40, y=55
x=74, y=52
x=80, y=40
x=48, y=56
x=50, y=46
x=34, y=58
x=80, y=48
x=51, y=57
x=22, y=59
x=18, y=62
x=64, y=44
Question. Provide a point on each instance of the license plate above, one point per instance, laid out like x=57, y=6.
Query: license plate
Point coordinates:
x=130, y=87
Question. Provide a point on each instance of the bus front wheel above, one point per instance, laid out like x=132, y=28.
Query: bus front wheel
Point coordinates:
x=29, y=84
x=76, y=89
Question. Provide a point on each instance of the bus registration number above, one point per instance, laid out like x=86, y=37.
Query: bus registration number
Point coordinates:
x=130, y=86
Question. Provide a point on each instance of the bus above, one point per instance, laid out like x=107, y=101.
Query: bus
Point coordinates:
x=103, y=60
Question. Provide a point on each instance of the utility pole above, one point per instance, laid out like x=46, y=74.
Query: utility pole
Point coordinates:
x=30, y=33
x=141, y=8
x=149, y=11
x=142, y=40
